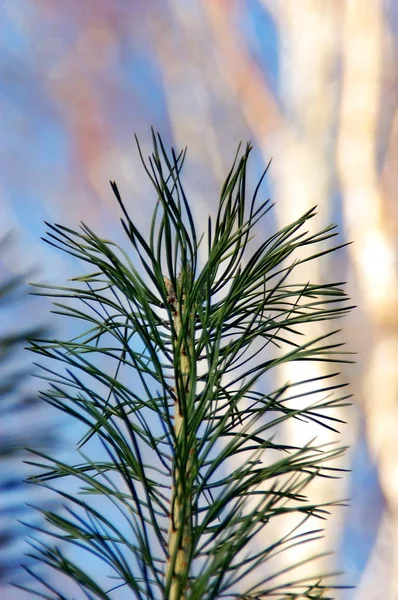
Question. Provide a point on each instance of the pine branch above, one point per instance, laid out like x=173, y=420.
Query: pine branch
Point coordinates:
x=184, y=445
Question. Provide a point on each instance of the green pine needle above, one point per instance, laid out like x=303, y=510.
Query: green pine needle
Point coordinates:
x=165, y=376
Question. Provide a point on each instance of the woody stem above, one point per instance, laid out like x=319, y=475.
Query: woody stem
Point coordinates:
x=180, y=520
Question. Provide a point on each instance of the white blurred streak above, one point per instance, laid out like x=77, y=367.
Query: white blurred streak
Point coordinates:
x=381, y=384
x=374, y=253
x=300, y=138
x=303, y=178
x=309, y=36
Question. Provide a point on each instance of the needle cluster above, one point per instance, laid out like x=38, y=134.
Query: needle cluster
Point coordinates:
x=181, y=331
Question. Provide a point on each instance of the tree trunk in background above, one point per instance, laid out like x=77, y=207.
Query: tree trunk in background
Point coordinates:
x=366, y=48
x=303, y=177
x=300, y=138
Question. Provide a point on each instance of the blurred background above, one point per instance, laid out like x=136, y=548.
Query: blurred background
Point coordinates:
x=313, y=85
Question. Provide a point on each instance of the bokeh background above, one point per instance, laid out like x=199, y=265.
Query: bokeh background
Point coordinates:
x=313, y=84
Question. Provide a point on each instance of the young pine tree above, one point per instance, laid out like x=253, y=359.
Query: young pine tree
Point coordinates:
x=166, y=376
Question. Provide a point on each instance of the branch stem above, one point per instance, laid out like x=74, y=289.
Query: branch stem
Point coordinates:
x=180, y=524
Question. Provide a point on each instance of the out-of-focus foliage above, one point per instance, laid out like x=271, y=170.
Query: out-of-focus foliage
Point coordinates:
x=19, y=422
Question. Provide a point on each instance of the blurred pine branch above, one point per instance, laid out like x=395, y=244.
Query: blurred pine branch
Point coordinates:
x=18, y=413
